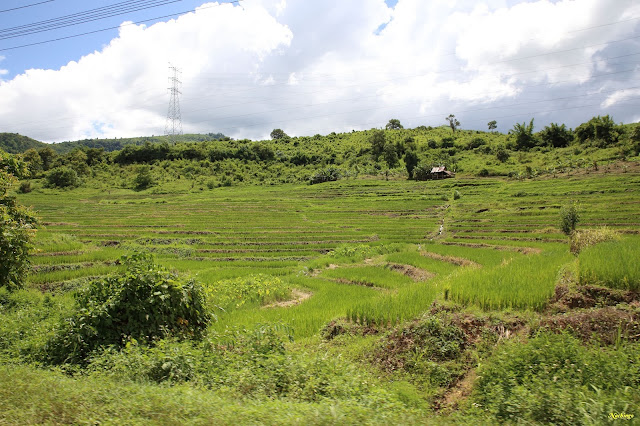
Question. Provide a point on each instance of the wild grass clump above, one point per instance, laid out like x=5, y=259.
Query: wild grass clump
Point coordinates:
x=584, y=238
x=554, y=379
x=612, y=264
x=251, y=290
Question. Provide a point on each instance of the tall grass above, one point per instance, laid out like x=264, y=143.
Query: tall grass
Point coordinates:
x=613, y=264
x=369, y=276
x=526, y=282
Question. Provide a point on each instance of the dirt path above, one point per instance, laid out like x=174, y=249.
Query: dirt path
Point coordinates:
x=299, y=296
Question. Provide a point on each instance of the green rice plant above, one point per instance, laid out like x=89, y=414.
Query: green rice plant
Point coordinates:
x=388, y=309
x=612, y=264
x=253, y=289
x=369, y=276
x=428, y=264
x=526, y=282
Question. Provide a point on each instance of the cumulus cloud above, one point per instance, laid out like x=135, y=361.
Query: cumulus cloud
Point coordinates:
x=317, y=67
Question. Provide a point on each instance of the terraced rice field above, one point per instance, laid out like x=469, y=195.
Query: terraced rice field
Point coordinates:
x=370, y=249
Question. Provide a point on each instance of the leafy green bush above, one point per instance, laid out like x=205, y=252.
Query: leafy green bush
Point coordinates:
x=326, y=175
x=553, y=379
x=62, y=177
x=143, y=179
x=569, y=218
x=16, y=232
x=145, y=303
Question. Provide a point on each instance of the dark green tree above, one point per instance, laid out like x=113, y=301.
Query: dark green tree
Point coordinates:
x=378, y=141
x=143, y=179
x=278, y=134
x=410, y=161
x=48, y=157
x=492, y=125
x=502, y=154
x=601, y=130
x=556, y=135
x=394, y=124
x=524, y=136
x=569, y=218
x=453, y=122
x=390, y=155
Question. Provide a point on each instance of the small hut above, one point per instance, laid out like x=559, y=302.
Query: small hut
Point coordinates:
x=441, y=172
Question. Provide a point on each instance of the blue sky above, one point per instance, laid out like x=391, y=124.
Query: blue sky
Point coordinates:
x=317, y=67
x=56, y=54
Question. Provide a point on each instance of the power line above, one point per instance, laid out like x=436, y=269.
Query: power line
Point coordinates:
x=116, y=27
x=82, y=17
x=25, y=6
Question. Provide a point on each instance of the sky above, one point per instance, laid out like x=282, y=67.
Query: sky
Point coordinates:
x=311, y=67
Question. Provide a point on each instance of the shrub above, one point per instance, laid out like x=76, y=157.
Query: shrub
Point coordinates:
x=143, y=179
x=326, y=175
x=62, y=177
x=16, y=231
x=456, y=195
x=553, y=379
x=145, y=303
x=588, y=237
x=25, y=187
x=569, y=218
x=484, y=173
x=502, y=154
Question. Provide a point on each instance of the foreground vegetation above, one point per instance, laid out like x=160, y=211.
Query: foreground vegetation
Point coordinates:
x=369, y=300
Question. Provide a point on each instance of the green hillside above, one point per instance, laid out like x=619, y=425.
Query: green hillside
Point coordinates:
x=325, y=280
x=15, y=143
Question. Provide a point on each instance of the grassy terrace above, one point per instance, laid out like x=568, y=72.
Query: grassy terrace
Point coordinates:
x=351, y=270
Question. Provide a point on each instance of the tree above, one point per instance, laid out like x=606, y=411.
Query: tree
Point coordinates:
x=556, y=135
x=410, y=161
x=602, y=130
x=278, y=134
x=17, y=229
x=378, y=141
x=34, y=162
x=143, y=179
x=492, y=125
x=394, y=124
x=48, y=156
x=390, y=155
x=524, y=136
x=453, y=122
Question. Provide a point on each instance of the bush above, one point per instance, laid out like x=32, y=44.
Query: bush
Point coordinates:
x=16, y=231
x=502, y=154
x=327, y=175
x=145, y=303
x=143, y=179
x=569, y=218
x=62, y=177
x=25, y=187
x=553, y=379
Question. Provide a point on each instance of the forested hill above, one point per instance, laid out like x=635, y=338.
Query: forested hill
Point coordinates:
x=14, y=143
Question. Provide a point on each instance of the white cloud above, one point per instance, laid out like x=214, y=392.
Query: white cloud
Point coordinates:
x=316, y=67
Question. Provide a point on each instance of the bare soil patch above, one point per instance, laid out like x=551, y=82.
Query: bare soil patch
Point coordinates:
x=299, y=296
x=450, y=259
x=416, y=274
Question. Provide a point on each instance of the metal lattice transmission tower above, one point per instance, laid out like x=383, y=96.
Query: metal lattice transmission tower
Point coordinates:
x=173, y=126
